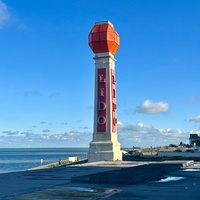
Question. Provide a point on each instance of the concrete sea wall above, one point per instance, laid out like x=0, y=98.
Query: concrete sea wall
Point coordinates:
x=181, y=154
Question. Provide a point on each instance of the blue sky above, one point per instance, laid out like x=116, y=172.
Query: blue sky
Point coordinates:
x=47, y=71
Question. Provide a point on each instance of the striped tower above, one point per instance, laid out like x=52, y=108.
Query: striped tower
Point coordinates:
x=104, y=42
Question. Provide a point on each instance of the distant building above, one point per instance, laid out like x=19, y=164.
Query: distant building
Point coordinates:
x=194, y=138
x=181, y=144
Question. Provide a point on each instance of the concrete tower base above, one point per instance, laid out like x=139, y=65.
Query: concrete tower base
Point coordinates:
x=104, y=151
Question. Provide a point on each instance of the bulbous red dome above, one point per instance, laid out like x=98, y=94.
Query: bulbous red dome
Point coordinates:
x=103, y=38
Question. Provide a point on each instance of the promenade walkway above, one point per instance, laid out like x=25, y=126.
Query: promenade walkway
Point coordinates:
x=55, y=183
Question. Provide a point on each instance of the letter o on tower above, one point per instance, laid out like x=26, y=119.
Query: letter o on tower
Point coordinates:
x=101, y=120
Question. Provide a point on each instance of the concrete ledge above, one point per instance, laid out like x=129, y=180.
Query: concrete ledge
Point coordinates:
x=129, y=175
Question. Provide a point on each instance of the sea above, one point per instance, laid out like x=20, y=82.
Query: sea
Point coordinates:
x=17, y=159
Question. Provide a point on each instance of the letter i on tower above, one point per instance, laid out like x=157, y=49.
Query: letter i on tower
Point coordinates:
x=104, y=42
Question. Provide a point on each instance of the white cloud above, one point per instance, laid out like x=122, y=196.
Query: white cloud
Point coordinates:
x=146, y=135
x=195, y=119
x=45, y=137
x=26, y=133
x=168, y=132
x=70, y=139
x=72, y=133
x=194, y=132
x=119, y=123
x=11, y=132
x=129, y=135
x=4, y=14
x=149, y=107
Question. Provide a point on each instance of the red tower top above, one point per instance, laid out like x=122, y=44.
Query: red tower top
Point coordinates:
x=103, y=38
